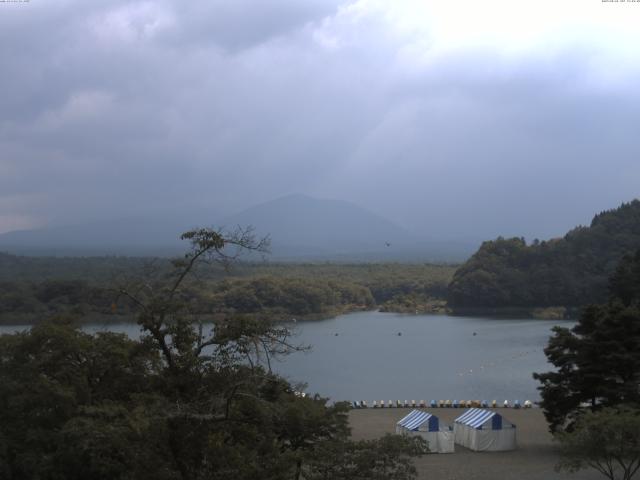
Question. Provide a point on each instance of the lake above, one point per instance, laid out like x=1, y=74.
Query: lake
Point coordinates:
x=435, y=357
x=360, y=356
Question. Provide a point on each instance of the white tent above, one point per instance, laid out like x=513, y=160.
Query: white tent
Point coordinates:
x=484, y=431
x=427, y=426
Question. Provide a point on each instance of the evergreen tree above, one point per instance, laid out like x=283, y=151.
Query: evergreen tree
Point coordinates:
x=598, y=360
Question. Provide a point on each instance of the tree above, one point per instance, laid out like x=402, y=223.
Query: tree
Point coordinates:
x=55, y=381
x=607, y=440
x=385, y=458
x=571, y=271
x=598, y=360
x=624, y=284
x=189, y=400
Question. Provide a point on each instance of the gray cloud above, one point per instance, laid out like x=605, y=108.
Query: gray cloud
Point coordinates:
x=120, y=108
x=235, y=26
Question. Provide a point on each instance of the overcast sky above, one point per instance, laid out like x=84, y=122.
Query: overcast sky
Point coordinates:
x=453, y=118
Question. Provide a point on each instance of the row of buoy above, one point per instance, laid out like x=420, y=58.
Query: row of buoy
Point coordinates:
x=442, y=404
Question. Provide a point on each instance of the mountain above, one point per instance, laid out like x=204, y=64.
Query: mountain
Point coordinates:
x=302, y=226
x=571, y=271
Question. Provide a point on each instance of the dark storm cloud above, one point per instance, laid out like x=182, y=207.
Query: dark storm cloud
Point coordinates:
x=118, y=108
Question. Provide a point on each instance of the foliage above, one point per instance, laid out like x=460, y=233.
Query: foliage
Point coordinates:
x=53, y=378
x=381, y=459
x=183, y=402
x=83, y=287
x=598, y=360
x=285, y=297
x=625, y=281
x=94, y=270
x=607, y=440
x=571, y=271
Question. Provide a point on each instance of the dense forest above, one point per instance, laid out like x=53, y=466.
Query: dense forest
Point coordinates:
x=570, y=272
x=33, y=288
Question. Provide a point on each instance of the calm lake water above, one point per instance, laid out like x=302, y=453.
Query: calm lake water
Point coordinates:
x=435, y=357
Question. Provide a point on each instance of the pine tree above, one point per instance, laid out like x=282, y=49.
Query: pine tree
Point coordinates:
x=598, y=360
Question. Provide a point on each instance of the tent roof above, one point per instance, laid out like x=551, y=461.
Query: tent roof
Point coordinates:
x=415, y=420
x=476, y=417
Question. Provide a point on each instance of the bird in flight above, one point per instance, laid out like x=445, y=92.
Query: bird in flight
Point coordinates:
x=387, y=244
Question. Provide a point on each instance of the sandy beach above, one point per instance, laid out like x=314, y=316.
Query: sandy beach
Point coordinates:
x=534, y=458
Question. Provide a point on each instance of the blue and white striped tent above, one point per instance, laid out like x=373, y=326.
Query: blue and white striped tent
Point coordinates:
x=427, y=426
x=484, y=430
x=477, y=417
x=417, y=420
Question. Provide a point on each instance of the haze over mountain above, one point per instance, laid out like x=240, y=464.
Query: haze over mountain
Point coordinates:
x=300, y=227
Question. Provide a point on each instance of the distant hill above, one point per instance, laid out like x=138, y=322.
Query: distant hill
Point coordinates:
x=571, y=271
x=307, y=228
x=301, y=228
x=135, y=236
x=302, y=225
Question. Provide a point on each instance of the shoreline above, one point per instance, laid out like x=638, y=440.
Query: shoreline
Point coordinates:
x=437, y=307
x=525, y=313
x=26, y=320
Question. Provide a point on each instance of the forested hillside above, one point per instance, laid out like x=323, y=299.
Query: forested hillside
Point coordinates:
x=571, y=271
